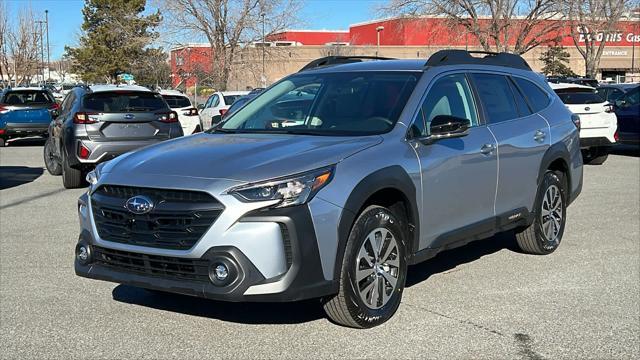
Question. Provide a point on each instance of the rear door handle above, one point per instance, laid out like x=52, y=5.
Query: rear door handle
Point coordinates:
x=487, y=149
x=539, y=136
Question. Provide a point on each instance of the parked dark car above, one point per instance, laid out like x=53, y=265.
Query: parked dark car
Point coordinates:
x=25, y=112
x=101, y=122
x=626, y=98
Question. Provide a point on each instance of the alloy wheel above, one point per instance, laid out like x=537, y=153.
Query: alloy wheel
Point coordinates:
x=377, y=268
x=551, y=214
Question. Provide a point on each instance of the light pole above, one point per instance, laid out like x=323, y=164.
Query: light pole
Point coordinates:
x=264, y=76
x=46, y=19
x=378, y=31
x=40, y=22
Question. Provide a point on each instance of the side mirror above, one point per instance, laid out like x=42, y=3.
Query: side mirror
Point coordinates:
x=446, y=126
x=200, y=106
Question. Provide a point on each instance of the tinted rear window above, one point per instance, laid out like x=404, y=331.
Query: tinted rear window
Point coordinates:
x=123, y=102
x=230, y=99
x=576, y=96
x=496, y=96
x=27, y=97
x=177, y=101
x=538, y=99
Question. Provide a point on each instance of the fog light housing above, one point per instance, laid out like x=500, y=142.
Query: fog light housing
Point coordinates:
x=83, y=254
x=223, y=271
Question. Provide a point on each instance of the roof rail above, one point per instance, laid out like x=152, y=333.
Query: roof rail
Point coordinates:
x=459, y=57
x=336, y=60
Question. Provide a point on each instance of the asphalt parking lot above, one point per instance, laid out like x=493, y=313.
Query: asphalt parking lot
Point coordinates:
x=484, y=300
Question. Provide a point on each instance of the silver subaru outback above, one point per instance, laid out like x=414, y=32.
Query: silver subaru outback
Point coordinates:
x=333, y=180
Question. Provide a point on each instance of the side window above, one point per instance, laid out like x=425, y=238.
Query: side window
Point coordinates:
x=67, y=104
x=215, y=101
x=538, y=98
x=449, y=95
x=633, y=97
x=523, y=107
x=613, y=95
x=208, y=103
x=496, y=96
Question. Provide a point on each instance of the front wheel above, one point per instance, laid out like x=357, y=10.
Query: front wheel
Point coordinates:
x=373, y=271
x=50, y=162
x=543, y=236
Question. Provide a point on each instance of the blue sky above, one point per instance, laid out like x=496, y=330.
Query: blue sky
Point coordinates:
x=65, y=16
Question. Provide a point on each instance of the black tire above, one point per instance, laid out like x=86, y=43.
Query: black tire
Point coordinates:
x=347, y=307
x=595, y=156
x=3, y=142
x=197, y=130
x=50, y=162
x=534, y=239
x=71, y=178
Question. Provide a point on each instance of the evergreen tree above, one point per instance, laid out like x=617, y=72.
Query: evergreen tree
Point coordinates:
x=115, y=35
x=555, y=60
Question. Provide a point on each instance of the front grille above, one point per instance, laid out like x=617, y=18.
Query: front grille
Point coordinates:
x=152, y=265
x=177, y=221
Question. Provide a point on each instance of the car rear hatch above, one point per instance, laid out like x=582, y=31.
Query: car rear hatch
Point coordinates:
x=125, y=115
x=27, y=107
x=586, y=103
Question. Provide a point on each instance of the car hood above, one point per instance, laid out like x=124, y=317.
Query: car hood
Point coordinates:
x=240, y=157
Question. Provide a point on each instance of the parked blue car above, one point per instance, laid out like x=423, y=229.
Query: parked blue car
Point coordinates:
x=25, y=112
x=626, y=98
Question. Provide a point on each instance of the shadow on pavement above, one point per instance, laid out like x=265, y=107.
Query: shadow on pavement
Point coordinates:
x=12, y=176
x=246, y=313
x=31, y=141
x=302, y=311
x=450, y=259
x=626, y=150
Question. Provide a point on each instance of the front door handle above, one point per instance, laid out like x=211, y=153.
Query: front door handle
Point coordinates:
x=487, y=149
x=539, y=136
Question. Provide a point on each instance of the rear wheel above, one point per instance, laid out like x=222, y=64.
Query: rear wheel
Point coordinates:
x=71, y=178
x=543, y=236
x=595, y=156
x=373, y=271
x=3, y=142
x=50, y=162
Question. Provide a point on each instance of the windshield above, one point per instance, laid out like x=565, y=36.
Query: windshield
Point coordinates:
x=123, y=101
x=27, y=97
x=177, y=101
x=579, y=96
x=355, y=103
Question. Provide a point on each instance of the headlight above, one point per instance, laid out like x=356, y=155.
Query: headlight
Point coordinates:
x=294, y=190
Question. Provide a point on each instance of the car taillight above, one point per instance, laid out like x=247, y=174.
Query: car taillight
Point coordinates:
x=83, y=118
x=576, y=120
x=1, y=131
x=54, y=106
x=83, y=152
x=223, y=111
x=615, y=136
x=4, y=109
x=190, y=112
x=609, y=108
x=169, y=117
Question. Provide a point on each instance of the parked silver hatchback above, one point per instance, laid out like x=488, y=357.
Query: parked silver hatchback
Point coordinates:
x=332, y=181
x=98, y=123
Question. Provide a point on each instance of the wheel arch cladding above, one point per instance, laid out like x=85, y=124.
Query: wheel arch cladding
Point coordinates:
x=387, y=187
x=556, y=158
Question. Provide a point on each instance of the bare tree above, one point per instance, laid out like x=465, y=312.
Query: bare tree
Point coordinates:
x=227, y=25
x=502, y=25
x=593, y=23
x=23, y=46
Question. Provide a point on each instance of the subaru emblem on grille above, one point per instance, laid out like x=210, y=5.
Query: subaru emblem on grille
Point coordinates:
x=139, y=204
x=129, y=116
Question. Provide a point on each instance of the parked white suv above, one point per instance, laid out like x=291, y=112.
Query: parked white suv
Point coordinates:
x=598, y=122
x=187, y=113
x=217, y=104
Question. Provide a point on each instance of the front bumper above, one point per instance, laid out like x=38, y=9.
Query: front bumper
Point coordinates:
x=302, y=279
